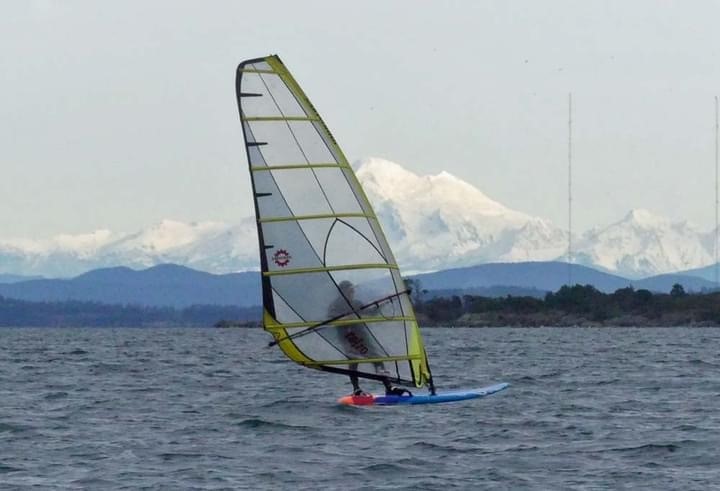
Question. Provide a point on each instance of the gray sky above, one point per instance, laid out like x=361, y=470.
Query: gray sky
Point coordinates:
x=119, y=114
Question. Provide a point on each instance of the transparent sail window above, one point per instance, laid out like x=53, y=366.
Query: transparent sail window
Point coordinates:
x=280, y=146
x=316, y=296
x=343, y=238
x=313, y=146
x=302, y=192
x=286, y=102
x=251, y=83
x=258, y=65
x=338, y=190
x=270, y=202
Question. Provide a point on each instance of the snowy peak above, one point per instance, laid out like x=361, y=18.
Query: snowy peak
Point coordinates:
x=383, y=181
x=80, y=244
x=208, y=246
x=644, y=217
x=169, y=234
x=441, y=221
x=87, y=243
x=644, y=244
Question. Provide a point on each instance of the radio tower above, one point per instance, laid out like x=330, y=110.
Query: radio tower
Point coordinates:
x=716, y=193
x=569, y=255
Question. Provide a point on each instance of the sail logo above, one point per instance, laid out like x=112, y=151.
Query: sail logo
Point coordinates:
x=356, y=341
x=281, y=258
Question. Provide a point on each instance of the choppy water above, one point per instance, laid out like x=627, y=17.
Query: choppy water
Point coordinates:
x=214, y=409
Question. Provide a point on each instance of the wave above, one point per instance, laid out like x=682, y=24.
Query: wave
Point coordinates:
x=52, y=396
x=383, y=467
x=647, y=448
x=76, y=351
x=6, y=469
x=13, y=428
x=450, y=448
x=261, y=423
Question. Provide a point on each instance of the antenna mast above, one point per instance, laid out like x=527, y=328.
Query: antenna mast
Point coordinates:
x=570, y=256
x=716, y=192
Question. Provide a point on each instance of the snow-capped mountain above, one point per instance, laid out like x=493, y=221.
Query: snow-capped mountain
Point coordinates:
x=206, y=246
x=435, y=222
x=62, y=255
x=432, y=222
x=644, y=244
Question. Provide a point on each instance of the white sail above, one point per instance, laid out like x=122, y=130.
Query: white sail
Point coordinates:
x=332, y=292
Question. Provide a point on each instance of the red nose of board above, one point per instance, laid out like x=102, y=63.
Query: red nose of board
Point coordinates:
x=366, y=400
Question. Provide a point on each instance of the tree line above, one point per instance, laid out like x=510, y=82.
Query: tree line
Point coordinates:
x=574, y=305
x=23, y=313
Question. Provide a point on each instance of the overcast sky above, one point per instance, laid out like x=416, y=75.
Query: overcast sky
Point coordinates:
x=119, y=114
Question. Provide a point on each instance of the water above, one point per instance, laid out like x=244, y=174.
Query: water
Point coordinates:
x=214, y=409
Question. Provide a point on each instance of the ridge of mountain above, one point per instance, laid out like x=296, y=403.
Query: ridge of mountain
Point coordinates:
x=163, y=285
x=433, y=223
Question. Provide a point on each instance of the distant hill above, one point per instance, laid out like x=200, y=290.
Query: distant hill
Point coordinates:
x=170, y=285
x=72, y=313
x=15, y=278
x=164, y=285
x=707, y=273
x=545, y=276
x=664, y=282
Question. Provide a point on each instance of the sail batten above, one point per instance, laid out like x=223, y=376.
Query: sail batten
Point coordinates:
x=278, y=118
x=253, y=70
x=296, y=166
x=323, y=253
x=365, y=360
x=327, y=269
x=314, y=217
x=347, y=322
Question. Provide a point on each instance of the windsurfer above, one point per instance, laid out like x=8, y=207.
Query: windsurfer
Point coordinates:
x=356, y=338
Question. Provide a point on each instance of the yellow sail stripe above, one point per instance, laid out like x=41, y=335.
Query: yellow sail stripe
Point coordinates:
x=339, y=323
x=297, y=166
x=313, y=217
x=344, y=267
x=255, y=70
x=286, y=345
x=279, y=118
x=362, y=360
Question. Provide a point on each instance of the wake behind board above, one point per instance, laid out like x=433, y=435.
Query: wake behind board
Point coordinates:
x=454, y=396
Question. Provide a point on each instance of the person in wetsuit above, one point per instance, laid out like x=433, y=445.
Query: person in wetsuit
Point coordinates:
x=357, y=340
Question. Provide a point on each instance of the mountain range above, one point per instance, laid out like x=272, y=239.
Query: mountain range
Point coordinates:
x=432, y=223
x=549, y=276
x=177, y=286
x=166, y=285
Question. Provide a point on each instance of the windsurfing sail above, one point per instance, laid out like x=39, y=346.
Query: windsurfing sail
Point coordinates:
x=333, y=296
